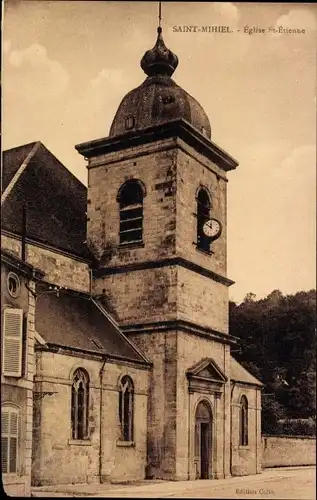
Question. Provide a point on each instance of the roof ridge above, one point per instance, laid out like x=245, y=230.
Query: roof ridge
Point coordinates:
x=20, y=171
x=64, y=166
x=32, y=143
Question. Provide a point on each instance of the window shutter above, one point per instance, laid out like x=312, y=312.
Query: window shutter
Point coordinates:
x=13, y=424
x=4, y=440
x=4, y=454
x=12, y=342
x=13, y=454
x=9, y=440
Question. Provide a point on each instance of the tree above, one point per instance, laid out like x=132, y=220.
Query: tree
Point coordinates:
x=278, y=346
x=272, y=413
x=250, y=297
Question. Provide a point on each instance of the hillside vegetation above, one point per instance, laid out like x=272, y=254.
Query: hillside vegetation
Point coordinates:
x=278, y=346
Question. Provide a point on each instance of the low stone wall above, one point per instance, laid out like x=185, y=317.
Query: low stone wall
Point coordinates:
x=284, y=451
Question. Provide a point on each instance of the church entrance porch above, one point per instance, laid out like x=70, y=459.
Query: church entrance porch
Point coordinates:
x=203, y=441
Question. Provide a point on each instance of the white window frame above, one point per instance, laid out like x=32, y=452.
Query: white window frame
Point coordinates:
x=16, y=278
x=12, y=341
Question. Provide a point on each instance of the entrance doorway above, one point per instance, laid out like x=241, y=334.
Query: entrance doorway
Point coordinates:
x=203, y=440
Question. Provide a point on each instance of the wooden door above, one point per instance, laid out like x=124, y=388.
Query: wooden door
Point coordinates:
x=203, y=440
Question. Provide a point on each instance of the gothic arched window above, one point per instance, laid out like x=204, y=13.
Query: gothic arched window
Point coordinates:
x=126, y=397
x=80, y=403
x=203, y=214
x=243, y=438
x=130, y=198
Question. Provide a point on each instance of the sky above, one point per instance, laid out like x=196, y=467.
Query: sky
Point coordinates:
x=68, y=64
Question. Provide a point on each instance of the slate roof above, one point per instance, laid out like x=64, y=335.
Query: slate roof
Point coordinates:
x=240, y=374
x=74, y=320
x=159, y=99
x=55, y=199
x=11, y=161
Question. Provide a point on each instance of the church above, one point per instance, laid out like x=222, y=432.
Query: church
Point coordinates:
x=116, y=351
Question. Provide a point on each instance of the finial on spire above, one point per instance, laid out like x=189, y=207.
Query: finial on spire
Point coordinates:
x=159, y=60
x=160, y=15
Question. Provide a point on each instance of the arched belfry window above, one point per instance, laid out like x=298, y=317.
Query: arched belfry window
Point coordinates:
x=203, y=214
x=243, y=439
x=126, y=403
x=80, y=404
x=130, y=198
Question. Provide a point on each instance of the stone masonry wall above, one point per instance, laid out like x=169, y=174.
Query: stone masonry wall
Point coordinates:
x=11, y=244
x=167, y=293
x=171, y=172
x=105, y=177
x=190, y=350
x=285, y=451
x=161, y=349
x=246, y=459
x=171, y=175
x=59, y=268
x=194, y=171
x=171, y=419
x=63, y=460
x=142, y=296
x=202, y=300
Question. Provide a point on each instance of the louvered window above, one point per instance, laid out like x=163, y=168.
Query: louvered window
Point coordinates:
x=131, y=212
x=126, y=408
x=9, y=439
x=12, y=342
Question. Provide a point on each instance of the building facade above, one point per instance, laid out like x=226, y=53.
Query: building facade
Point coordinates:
x=18, y=280
x=133, y=351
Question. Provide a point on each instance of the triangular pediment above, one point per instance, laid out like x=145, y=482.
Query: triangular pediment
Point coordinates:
x=207, y=369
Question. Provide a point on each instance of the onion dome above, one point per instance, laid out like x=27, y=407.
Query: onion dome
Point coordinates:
x=158, y=99
x=159, y=60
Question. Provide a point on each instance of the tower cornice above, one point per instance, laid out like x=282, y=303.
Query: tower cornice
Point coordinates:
x=177, y=128
x=182, y=326
x=154, y=264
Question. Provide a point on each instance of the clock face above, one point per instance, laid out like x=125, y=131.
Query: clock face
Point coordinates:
x=212, y=228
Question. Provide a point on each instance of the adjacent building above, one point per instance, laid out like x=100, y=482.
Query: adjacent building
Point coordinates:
x=18, y=282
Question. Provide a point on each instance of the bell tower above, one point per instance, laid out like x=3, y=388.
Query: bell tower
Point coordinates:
x=157, y=222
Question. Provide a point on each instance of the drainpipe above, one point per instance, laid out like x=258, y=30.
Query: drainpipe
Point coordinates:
x=231, y=428
x=23, y=240
x=189, y=435
x=256, y=432
x=90, y=282
x=101, y=373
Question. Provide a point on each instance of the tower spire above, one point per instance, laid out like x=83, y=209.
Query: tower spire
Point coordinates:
x=159, y=60
x=160, y=15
